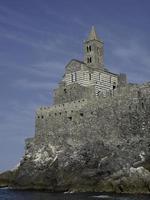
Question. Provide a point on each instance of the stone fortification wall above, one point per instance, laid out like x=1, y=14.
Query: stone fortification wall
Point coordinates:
x=74, y=92
x=109, y=119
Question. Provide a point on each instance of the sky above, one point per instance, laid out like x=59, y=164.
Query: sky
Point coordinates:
x=39, y=37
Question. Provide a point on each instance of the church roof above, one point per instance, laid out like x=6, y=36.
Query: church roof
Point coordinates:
x=93, y=35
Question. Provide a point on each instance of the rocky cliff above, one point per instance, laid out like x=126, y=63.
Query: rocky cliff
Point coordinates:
x=103, y=145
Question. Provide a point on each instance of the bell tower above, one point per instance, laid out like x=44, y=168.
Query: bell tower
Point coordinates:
x=93, y=50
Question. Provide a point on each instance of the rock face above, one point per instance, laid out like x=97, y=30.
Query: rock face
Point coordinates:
x=104, y=145
x=6, y=178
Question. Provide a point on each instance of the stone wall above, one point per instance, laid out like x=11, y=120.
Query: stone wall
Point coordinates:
x=112, y=118
x=68, y=93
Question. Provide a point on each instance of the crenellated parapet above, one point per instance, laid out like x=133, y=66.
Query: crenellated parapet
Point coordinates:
x=66, y=118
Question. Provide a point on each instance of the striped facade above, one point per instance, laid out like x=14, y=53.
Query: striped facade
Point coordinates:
x=102, y=80
x=90, y=75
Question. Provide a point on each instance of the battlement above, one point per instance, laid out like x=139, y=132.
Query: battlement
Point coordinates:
x=60, y=109
x=127, y=97
x=91, y=118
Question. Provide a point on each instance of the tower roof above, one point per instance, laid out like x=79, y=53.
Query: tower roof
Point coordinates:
x=93, y=35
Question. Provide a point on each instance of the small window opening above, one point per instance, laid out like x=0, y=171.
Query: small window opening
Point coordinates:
x=72, y=111
x=70, y=118
x=114, y=85
x=90, y=76
x=90, y=48
x=55, y=114
x=81, y=114
x=90, y=59
x=75, y=76
x=38, y=117
x=42, y=116
x=91, y=113
x=60, y=113
x=129, y=107
x=65, y=90
x=71, y=77
x=87, y=48
x=142, y=105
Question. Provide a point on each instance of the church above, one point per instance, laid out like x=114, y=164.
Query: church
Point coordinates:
x=88, y=78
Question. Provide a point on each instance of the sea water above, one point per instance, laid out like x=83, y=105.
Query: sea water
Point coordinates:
x=6, y=194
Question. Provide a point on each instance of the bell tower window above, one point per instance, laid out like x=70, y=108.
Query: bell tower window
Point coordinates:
x=89, y=60
x=87, y=48
x=90, y=48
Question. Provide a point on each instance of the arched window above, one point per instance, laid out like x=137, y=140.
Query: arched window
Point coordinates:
x=90, y=48
x=87, y=48
x=90, y=59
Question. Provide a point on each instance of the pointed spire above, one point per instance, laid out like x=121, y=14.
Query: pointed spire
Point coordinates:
x=93, y=34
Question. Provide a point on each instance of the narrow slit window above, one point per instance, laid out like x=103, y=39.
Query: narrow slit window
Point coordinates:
x=87, y=48
x=71, y=77
x=75, y=76
x=99, y=76
x=90, y=77
x=114, y=85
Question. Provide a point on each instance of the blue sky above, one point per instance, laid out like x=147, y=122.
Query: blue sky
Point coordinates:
x=39, y=37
